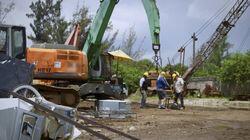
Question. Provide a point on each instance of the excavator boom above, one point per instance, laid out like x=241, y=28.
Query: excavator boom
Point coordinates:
x=154, y=26
x=97, y=29
x=153, y=20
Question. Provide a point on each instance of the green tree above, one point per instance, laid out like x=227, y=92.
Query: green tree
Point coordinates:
x=212, y=65
x=145, y=65
x=109, y=42
x=82, y=18
x=5, y=10
x=176, y=67
x=236, y=69
x=131, y=75
x=48, y=25
x=131, y=72
x=220, y=53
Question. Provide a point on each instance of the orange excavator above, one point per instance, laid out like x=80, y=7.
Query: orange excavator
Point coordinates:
x=63, y=72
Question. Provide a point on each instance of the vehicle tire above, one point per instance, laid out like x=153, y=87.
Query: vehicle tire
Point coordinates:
x=27, y=91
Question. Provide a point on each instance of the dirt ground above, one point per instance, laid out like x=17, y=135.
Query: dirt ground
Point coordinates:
x=193, y=123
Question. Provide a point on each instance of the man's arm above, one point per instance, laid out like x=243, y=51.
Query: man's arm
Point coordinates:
x=181, y=81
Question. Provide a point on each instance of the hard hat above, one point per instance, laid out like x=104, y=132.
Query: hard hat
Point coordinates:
x=177, y=73
x=174, y=75
x=145, y=74
x=163, y=73
x=168, y=74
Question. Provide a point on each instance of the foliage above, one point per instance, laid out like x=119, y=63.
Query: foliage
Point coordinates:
x=127, y=45
x=131, y=76
x=212, y=65
x=145, y=64
x=48, y=25
x=5, y=10
x=132, y=72
x=220, y=53
x=109, y=42
x=82, y=18
x=176, y=67
x=208, y=70
x=236, y=69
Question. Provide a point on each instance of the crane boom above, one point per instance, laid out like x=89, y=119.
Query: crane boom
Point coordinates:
x=93, y=42
x=153, y=20
x=154, y=26
x=222, y=30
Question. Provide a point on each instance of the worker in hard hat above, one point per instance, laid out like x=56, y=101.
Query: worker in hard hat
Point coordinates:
x=144, y=83
x=177, y=73
x=178, y=90
x=162, y=85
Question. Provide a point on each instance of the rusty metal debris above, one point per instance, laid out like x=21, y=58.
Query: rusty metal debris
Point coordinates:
x=52, y=113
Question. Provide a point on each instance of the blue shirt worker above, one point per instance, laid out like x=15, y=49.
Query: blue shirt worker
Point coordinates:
x=162, y=85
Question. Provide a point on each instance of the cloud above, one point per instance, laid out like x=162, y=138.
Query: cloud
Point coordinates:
x=204, y=9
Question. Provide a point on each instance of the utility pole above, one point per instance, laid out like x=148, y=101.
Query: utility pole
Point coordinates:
x=221, y=31
x=194, y=40
x=182, y=57
x=183, y=61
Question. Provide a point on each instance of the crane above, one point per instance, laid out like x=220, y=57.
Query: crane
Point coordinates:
x=221, y=31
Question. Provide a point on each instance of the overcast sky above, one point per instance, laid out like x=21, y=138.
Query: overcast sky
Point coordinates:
x=179, y=19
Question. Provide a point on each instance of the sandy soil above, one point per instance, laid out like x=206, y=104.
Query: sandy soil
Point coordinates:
x=193, y=123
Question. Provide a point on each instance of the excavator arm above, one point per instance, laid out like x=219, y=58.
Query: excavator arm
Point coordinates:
x=93, y=42
x=99, y=25
x=153, y=20
x=154, y=26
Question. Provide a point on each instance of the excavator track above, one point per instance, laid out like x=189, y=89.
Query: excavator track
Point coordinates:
x=67, y=96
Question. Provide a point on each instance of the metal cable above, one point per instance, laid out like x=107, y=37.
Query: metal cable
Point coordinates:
x=212, y=18
x=244, y=40
x=205, y=25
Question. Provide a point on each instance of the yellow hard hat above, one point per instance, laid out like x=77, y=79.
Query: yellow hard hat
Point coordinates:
x=177, y=73
x=145, y=74
x=163, y=73
x=168, y=74
x=174, y=75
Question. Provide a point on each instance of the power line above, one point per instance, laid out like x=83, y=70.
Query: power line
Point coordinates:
x=212, y=18
x=205, y=25
x=209, y=21
x=244, y=40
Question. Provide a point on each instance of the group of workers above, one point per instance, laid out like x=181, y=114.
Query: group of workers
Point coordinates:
x=161, y=88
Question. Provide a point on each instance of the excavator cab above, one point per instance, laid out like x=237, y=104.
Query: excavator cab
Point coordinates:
x=13, y=41
x=13, y=70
